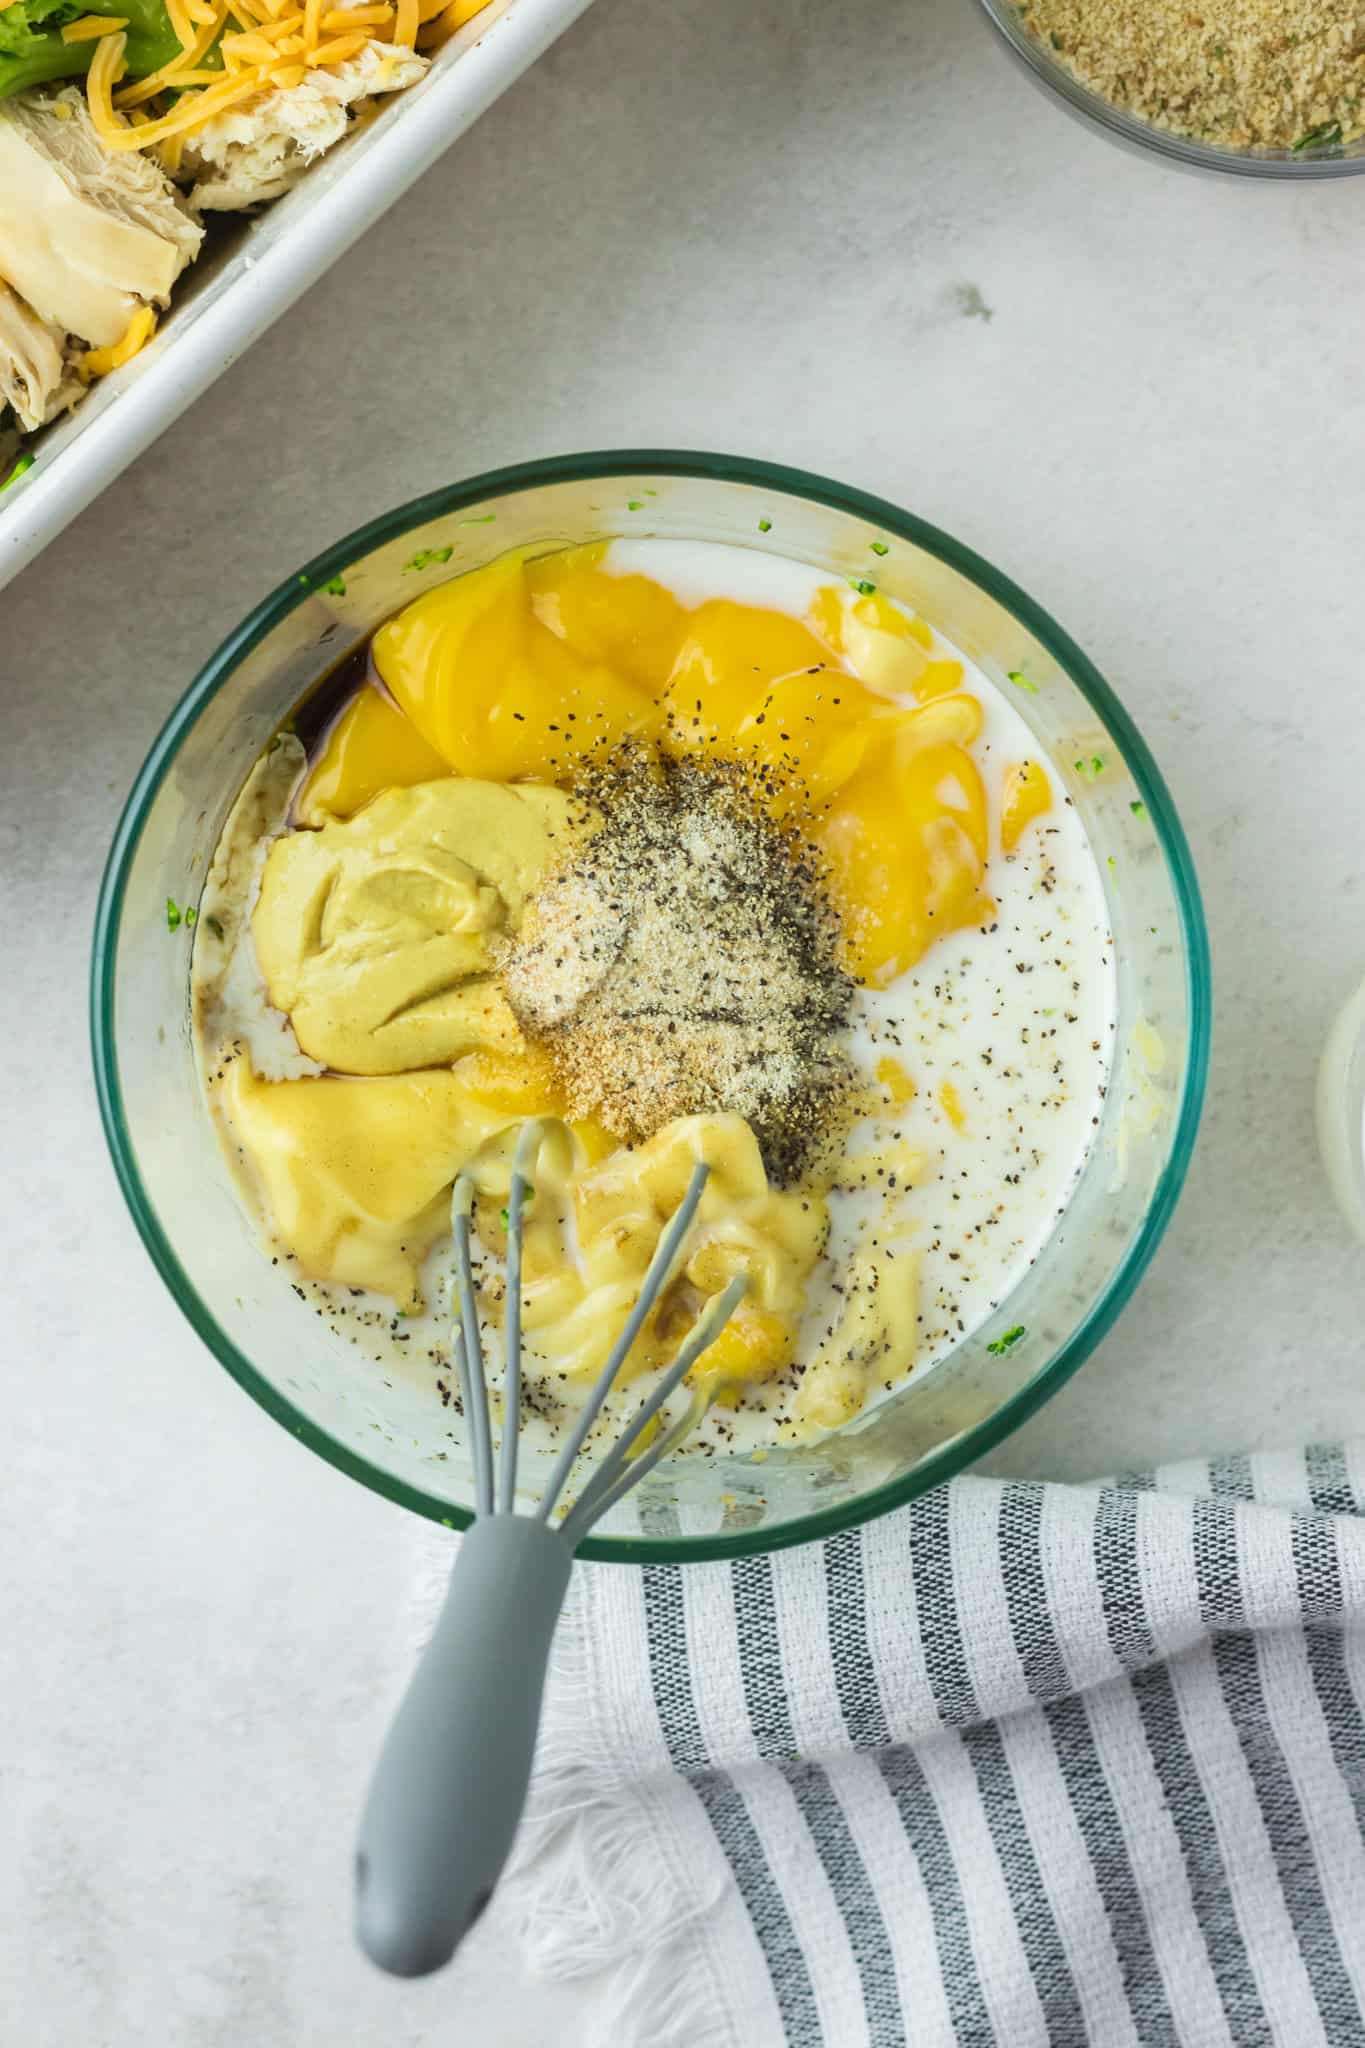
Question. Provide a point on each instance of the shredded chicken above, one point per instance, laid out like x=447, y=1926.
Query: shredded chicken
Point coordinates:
x=90, y=237
x=85, y=237
x=32, y=361
x=257, y=150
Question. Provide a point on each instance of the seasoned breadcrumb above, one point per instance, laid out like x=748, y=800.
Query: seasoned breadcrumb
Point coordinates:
x=1272, y=74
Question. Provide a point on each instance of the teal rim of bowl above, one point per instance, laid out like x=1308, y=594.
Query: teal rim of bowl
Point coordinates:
x=1188, y=152
x=960, y=1451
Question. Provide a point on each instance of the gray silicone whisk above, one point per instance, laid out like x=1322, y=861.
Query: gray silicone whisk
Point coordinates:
x=451, y=1780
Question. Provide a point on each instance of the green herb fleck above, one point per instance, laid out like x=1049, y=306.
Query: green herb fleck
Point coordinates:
x=426, y=556
x=1112, y=865
x=1328, y=136
x=1021, y=681
x=173, y=914
x=335, y=586
x=479, y=519
x=879, y=547
x=1090, y=768
x=1138, y=809
x=863, y=587
x=21, y=468
x=635, y=504
x=1007, y=1343
x=303, y=580
x=191, y=917
x=765, y=526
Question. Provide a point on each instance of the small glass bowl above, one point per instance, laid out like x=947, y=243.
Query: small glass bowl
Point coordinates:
x=392, y=1433
x=1335, y=160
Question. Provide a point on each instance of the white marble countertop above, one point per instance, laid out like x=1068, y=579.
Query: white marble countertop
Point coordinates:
x=845, y=237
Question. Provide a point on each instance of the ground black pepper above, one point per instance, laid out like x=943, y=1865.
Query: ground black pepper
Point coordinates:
x=684, y=962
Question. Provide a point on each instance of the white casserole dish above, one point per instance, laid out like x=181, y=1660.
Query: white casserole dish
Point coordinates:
x=252, y=275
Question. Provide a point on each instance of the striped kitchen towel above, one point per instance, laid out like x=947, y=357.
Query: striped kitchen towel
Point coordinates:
x=1020, y=1765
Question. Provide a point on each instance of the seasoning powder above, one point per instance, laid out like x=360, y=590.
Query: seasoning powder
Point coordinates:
x=684, y=963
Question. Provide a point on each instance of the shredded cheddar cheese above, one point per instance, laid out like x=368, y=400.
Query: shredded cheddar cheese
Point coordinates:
x=106, y=68
x=264, y=46
x=191, y=111
x=450, y=21
x=180, y=23
x=337, y=51
x=285, y=30
x=92, y=26
x=98, y=362
x=172, y=75
x=133, y=96
x=249, y=48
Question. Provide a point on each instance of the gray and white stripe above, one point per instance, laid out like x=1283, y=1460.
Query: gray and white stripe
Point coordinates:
x=1018, y=1765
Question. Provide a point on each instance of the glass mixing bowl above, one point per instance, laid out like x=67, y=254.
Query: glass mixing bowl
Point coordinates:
x=1325, y=160
x=392, y=1433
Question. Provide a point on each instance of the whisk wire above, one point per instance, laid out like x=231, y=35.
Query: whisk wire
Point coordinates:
x=659, y=1267
x=473, y=1385
x=523, y=1163
x=618, y=1471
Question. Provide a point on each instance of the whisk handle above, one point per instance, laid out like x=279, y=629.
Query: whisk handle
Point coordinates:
x=450, y=1784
